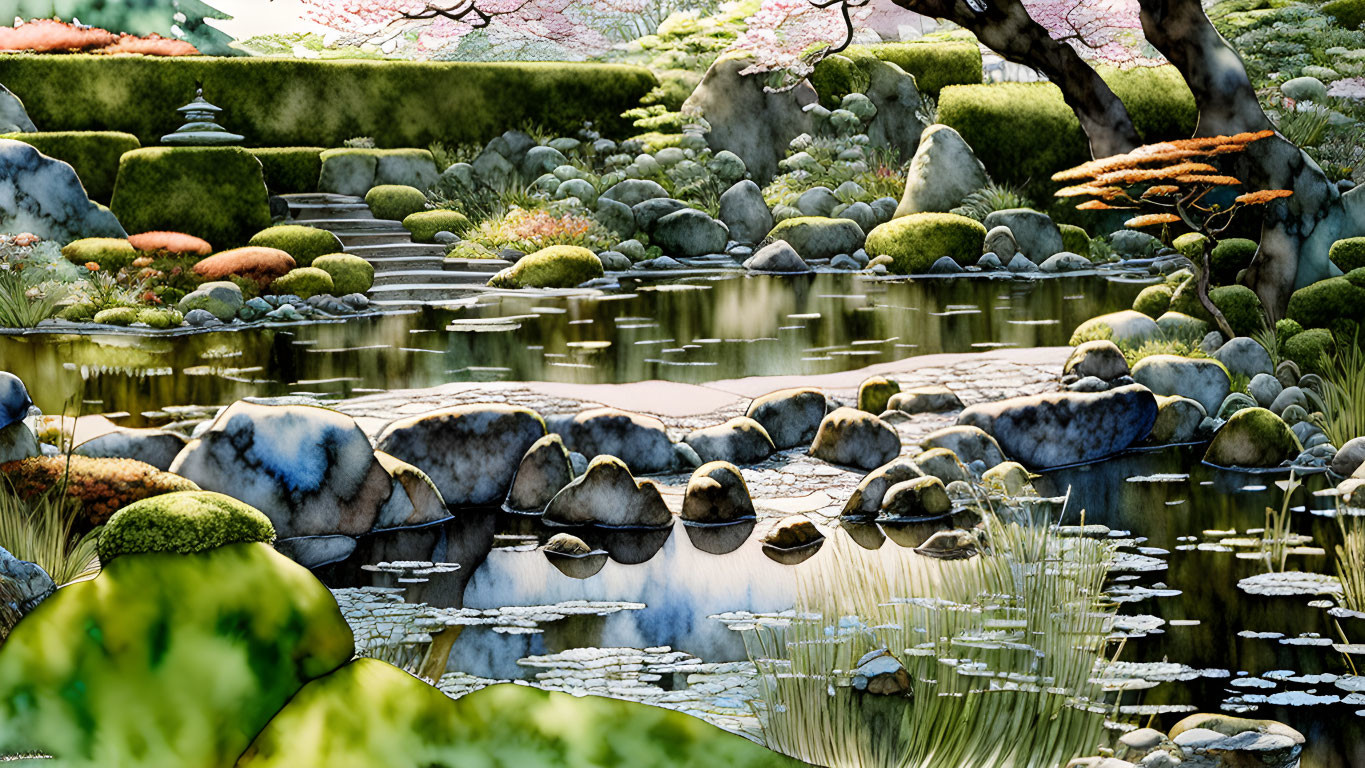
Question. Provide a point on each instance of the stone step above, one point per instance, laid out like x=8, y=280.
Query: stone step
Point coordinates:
x=332, y=211
x=315, y=198
x=391, y=263
x=353, y=239
x=429, y=277
x=357, y=226
x=487, y=266
x=408, y=294
x=403, y=249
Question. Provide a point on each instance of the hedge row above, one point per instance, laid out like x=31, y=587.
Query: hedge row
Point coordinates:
x=1024, y=132
x=289, y=102
x=934, y=65
x=290, y=170
x=214, y=193
x=94, y=155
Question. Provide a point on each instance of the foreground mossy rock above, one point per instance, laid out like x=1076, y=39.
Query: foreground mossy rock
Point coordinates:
x=424, y=225
x=101, y=486
x=167, y=659
x=350, y=274
x=717, y=494
x=1154, y=300
x=47, y=199
x=215, y=193
x=311, y=470
x=817, y=237
x=219, y=298
x=303, y=243
x=916, y=241
x=559, y=266
x=259, y=265
x=1253, y=437
x=607, y=494
x=1058, y=429
x=875, y=393
x=471, y=452
x=395, y=201
x=791, y=417
x=304, y=282
x=1348, y=254
x=1100, y=358
x=855, y=438
x=182, y=523
x=369, y=713
x=1201, y=379
x=110, y=253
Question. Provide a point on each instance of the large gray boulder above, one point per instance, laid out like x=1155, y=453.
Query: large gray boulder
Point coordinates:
x=632, y=192
x=689, y=233
x=1062, y=428
x=897, y=124
x=745, y=212
x=1035, y=233
x=153, y=446
x=740, y=440
x=638, y=440
x=747, y=119
x=867, y=498
x=791, y=417
x=607, y=494
x=44, y=196
x=13, y=116
x=717, y=494
x=471, y=452
x=30, y=581
x=17, y=442
x=855, y=438
x=777, y=256
x=943, y=172
x=1244, y=355
x=414, y=500
x=311, y=470
x=14, y=399
x=1196, y=378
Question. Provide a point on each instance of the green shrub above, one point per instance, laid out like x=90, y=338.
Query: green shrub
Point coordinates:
x=1075, y=239
x=161, y=319
x=934, y=65
x=1356, y=277
x=303, y=243
x=1306, y=349
x=1024, y=132
x=214, y=193
x=304, y=282
x=80, y=312
x=1348, y=254
x=1230, y=257
x=916, y=241
x=1320, y=304
x=1241, y=306
x=350, y=274
x=395, y=201
x=559, y=266
x=290, y=170
x=116, y=316
x=1348, y=13
x=425, y=224
x=94, y=154
x=1285, y=329
x=288, y=102
x=110, y=253
x=1154, y=300
x=184, y=523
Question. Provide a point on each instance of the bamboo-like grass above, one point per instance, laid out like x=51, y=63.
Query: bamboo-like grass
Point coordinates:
x=1002, y=651
x=1343, y=375
x=1351, y=560
x=40, y=529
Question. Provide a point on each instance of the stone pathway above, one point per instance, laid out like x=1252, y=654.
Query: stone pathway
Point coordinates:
x=406, y=274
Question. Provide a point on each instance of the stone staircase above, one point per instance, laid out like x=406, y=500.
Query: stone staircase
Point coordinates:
x=406, y=274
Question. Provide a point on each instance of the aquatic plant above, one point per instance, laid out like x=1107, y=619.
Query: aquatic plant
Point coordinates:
x=1343, y=392
x=1350, y=565
x=991, y=198
x=1277, y=536
x=41, y=529
x=1000, y=649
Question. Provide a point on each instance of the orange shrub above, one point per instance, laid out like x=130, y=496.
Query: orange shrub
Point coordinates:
x=256, y=263
x=100, y=486
x=171, y=242
x=52, y=36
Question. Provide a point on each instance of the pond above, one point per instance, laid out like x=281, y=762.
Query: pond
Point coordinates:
x=697, y=329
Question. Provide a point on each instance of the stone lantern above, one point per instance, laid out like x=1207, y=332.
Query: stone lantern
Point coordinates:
x=200, y=128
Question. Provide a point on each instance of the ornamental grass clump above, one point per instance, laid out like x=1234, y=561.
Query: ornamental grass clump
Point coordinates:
x=1174, y=183
x=42, y=528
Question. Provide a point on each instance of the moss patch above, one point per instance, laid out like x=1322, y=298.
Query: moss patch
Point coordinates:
x=290, y=170
x=395, y=201
x=559, y=266
x=1348, y=254
x=1253, y=437
x=1154, y=300
x=1326, y=301
x=214, y=193
x=425, y=224
x=1241, y=306
x=303, y=243
x=183, y=523
x=916, y=241
x=1307, y=348
x=110, y=253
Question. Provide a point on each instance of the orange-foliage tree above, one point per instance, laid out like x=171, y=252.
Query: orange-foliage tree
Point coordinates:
x=1171, y=183
x=52, y=36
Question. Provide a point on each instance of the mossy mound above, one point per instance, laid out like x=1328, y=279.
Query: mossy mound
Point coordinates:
x=1074, y=239
x=1191, y=246
x=167, y=659
x=214, y=193
x=818, y=237
x=1348, y=254
x=1240, y=306
x=395, y=201
x=304, y=282
x=425, y=224
x=1350, y=14
x=1253, y=437
x=1228, y=258
x=110, y=253
x=371, y=713
x=1322, y=303
x=100, y=486
x=350, y=274
x=160, y=319
x=122, y=316
x=290, y=170
x=559, y=266
x=1154, y=300
x=1307, y=348
x=183, y=523
x=916, y=241
x=303, y=243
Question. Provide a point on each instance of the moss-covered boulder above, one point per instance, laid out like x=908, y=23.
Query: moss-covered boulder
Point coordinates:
x=167, y=659
x=1322, y=303
x=1240, y=306
x=259, y=265
x=1190, y=245
x=304, y=282
x=916, y=241
x=425, y=224
x=109, y=254
x=1228, y=258
x=183, y=523
x=1307, y=348
x=214, y=193
x=817, y=237
x=100, y=486
x=290, y=170
x=559, y=266
x=1253, y=437
x=395, y=201
x=1154, y=300
x=160, y=318
x=303, y=243
x=120, y=316
x=875, y=392
x=371, y=713
x=1074, y=239
x=350, y=274
x=1348, y=254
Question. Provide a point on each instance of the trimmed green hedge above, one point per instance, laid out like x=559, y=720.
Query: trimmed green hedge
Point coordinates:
x=216, y=193
x=94, y=155
x=184, y=522
x=290, y=170
x=1348, y=13
x=292, y=102
x=934, y=65
x=1024, y=132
